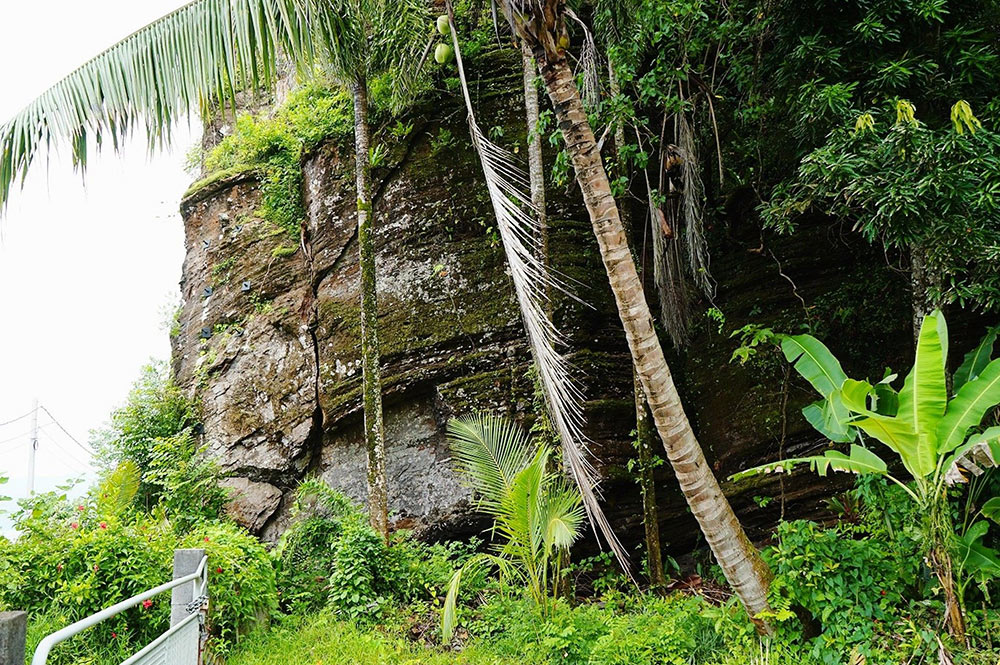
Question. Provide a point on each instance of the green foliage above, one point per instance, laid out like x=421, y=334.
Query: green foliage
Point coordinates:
x=151, y=437
x=186, y=481
x=853, y=586
x=909, y=186
x=535, y=511
x=71, y=560
x=331, y=557
x=274, y=144
x=241, y=581
x=923, y=424
x=155, y=409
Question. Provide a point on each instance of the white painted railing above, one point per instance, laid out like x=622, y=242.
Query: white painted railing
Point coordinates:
x=179, y=645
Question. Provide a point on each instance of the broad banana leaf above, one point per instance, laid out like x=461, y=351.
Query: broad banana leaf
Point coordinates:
x=814, y=362
x=895, y=432
x=974, y=558
x=831, y=419
x=991, y=509
x=924, y=396
x=860, y=461
x=981, y=450
x=976, y=360
x=968, y=407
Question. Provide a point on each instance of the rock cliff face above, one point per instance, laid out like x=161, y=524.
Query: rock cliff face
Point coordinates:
x=268, y=340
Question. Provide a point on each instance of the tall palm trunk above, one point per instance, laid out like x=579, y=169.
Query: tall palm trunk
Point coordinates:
x=536, y=170
x=371, y=384
x=739, y=559
x=645, y=434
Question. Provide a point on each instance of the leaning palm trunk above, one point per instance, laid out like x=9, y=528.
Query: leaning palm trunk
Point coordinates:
x=370, y=375
x=739, y=559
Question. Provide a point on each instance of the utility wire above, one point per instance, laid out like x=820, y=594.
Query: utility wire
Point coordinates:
x=66, y=451
x=15, y=438
x=21, y=417
x=84, y=448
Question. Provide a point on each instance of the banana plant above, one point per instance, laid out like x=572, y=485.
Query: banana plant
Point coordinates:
x=536, y=513
x=936, y=436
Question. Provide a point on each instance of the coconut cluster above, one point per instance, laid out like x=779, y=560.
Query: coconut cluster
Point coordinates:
x=444, y=53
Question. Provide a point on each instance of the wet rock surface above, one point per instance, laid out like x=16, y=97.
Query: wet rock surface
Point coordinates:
x=268, y=338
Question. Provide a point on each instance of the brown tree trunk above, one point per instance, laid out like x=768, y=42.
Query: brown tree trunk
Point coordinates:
x=645, y=437
x=645, y=433
x=744, y=569
x=371, y=384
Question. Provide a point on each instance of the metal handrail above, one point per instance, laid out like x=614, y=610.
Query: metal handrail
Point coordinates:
x=160, y=640
x=42, y=651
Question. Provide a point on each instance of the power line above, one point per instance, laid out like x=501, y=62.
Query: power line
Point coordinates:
x=15, y=438
x=66, y=451
x=84, y=448
x=21, y=417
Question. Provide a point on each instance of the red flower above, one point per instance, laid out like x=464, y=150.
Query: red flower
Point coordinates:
x=80, y=508
x=103, y=525
x=146, y=604
x=883, y=592
x=206, y=539
x=114, y=635
x=96, y=567
x=74, y=525
x=59, y=567
x=218, y=570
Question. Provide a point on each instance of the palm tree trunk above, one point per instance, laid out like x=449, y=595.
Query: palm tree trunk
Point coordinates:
x=536, y=170
x=371, y=384
x=645, y=433
x=739, y=559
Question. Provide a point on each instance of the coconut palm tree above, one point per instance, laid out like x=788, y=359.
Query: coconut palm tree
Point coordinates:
x=541, y=25
x=203, y=53
x=536, y=513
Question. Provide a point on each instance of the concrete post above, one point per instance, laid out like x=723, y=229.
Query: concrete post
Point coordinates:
x=185, y=563
x=13, y=627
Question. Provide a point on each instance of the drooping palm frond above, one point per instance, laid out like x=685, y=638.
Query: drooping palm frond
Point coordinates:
x=489, y=451
x=587, y=65
x=518, y=224
x=204, y=51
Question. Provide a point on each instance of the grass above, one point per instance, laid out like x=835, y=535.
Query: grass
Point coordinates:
x=324, y=639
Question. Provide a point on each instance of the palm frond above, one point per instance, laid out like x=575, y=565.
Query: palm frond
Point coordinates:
x=490, y=451
x=507, y=185
x=587, y=65
x=204, y=51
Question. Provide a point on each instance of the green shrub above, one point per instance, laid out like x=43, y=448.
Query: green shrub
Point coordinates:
x=68, y=564
x=667, y=631
x=273, y=144
x=155, y=410
x=71, y=561
x=240, y=580
x=853, y=587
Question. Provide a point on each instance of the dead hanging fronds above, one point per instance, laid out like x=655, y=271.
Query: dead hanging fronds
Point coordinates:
x=692, y=209
x=680, y=250
x=668, y=268
x=518, y=224
x=588, y=65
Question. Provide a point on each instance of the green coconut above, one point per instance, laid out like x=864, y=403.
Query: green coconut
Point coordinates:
x=443, y=54
x=444, y=27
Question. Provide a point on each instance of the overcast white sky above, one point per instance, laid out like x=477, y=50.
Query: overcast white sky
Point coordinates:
x=86, y=272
